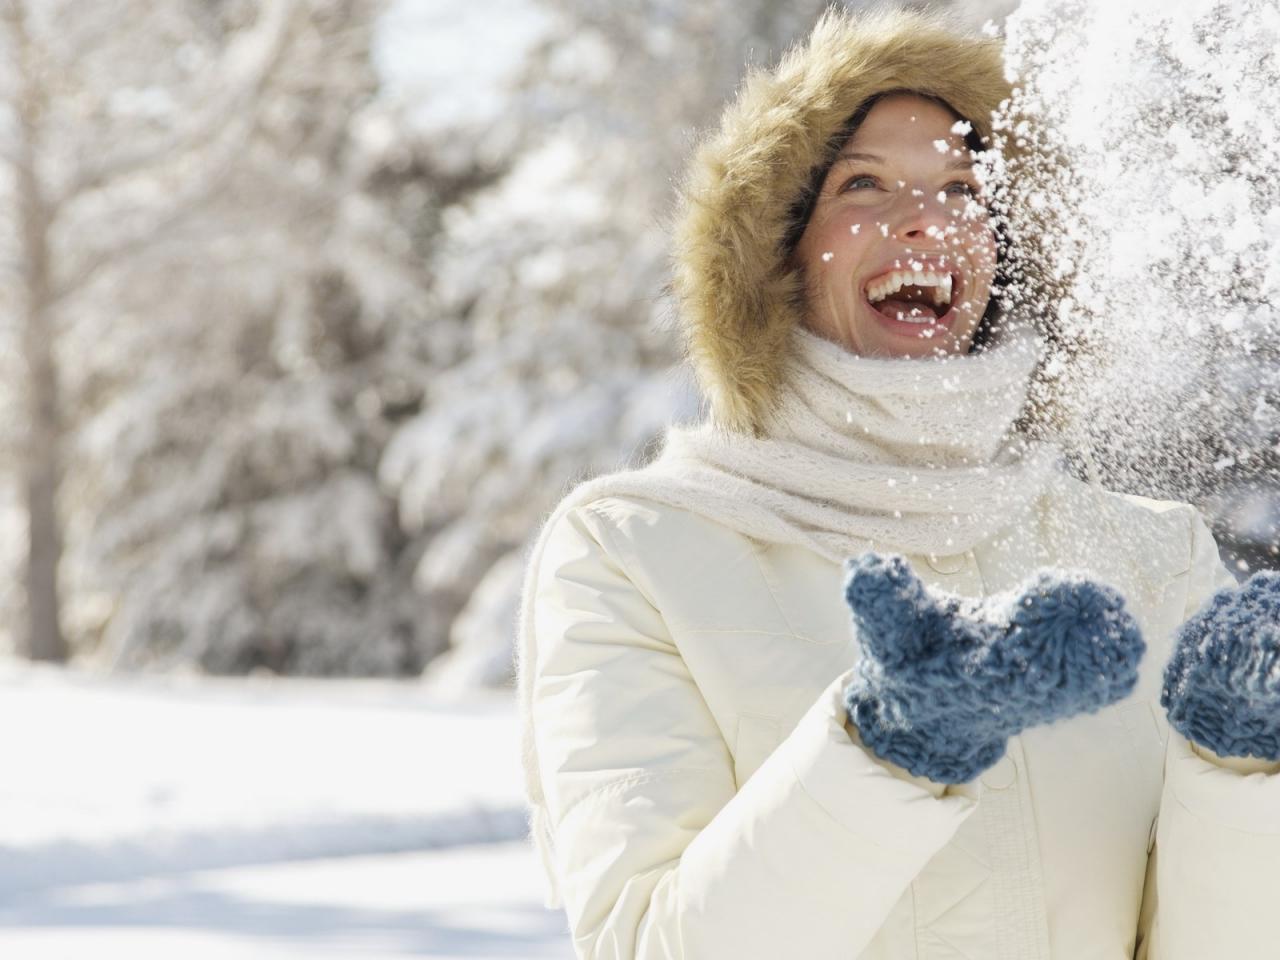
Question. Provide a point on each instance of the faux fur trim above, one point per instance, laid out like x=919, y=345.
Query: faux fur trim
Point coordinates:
x=737, y=298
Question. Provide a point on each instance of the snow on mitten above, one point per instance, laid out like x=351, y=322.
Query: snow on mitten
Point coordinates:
x=1222, y=684
x=944, y=681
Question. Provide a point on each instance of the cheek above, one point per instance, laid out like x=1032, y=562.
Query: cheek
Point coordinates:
x=846, y=239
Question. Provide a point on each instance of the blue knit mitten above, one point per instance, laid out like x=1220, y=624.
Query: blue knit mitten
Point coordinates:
x=944, y=681
x=1222, y=684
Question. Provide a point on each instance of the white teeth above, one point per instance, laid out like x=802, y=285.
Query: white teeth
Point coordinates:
x=894, y=281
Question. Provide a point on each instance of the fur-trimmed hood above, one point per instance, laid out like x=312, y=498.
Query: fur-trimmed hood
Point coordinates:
x=737, y=298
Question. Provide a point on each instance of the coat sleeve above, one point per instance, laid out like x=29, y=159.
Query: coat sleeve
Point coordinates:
x=655, y=852
x=1215, y=867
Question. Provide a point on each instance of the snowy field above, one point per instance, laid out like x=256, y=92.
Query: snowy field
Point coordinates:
x=160, y=817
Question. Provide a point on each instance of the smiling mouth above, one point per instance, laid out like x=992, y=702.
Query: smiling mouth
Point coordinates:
x=921, y=297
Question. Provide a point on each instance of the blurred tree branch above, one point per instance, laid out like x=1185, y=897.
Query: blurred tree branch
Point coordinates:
x=220, y=132
x=246, y=67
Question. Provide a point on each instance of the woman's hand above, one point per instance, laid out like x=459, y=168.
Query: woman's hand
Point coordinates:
x=1222, y=684
x=944, y=681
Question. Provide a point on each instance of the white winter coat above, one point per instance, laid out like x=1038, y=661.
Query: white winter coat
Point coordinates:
x=708, y=800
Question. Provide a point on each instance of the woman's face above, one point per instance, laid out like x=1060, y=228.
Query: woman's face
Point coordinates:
x=900, y=200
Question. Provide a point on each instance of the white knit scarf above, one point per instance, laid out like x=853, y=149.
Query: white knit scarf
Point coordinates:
x=910, y=455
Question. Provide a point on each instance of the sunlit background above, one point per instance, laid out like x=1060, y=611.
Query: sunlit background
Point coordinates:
x=310, y=310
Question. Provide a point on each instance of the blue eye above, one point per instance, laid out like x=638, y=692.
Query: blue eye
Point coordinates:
x=966, y=189
x=858, y=179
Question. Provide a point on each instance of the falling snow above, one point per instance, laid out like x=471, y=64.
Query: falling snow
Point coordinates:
x=1163, y=286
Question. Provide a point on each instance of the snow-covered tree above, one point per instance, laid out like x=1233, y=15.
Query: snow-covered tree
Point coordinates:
x=239, y=321
x=89, y=138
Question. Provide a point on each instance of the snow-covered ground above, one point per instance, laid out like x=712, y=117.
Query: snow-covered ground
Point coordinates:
x=157, y=817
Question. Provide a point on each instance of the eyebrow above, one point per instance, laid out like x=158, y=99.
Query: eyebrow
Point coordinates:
x=953, y=165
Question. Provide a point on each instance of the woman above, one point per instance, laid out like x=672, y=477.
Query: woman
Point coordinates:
x=697, y=786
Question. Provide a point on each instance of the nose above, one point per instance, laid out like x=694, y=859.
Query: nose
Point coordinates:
x=917, y=212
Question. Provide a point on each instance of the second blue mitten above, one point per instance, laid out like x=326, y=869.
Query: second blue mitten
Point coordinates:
x=944, y=682
x=1222, y=684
